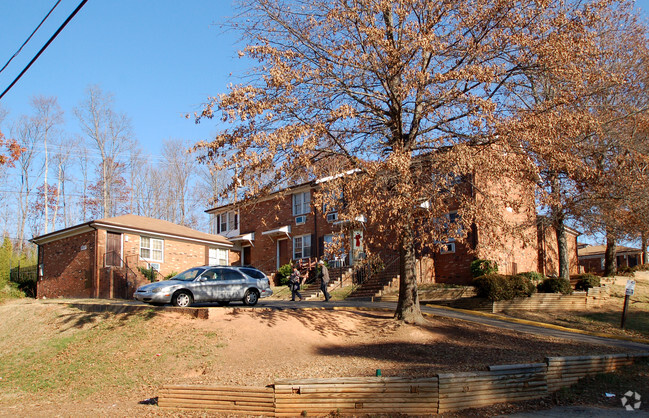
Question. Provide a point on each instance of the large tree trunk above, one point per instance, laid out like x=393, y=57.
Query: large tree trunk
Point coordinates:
x=643, y=242
x=562, y=247
x=610, y=262
x=408, y=309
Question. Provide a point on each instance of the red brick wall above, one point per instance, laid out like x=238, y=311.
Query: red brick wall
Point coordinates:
x=275, y=213
x=67, y=269
x=513, y=243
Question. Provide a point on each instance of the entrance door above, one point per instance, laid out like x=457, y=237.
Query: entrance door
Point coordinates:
x=245, y=257
x=114, y=249
x=283, y=252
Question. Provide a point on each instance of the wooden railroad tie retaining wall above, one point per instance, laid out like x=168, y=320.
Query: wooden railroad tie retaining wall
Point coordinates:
x=378, y=395
x=371, y=395
x=499, y=384
x=236, y=399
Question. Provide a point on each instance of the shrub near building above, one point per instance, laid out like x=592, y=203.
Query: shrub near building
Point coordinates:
x=500, y=287
x=555, y=285
x=587, y=281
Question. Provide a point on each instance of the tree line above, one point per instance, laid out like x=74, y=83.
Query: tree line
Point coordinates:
x=56, y=179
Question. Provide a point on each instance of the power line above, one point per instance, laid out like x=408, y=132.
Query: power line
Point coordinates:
x=44, y=47
x=30, y=36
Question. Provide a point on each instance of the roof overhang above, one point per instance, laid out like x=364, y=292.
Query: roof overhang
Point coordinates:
x=93, y=226
x=282, y=231
x=244, y=238
x=142, y=231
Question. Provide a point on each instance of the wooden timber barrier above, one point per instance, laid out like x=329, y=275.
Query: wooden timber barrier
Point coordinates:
x=352, y=396
x=239, y=400
x=381, y=395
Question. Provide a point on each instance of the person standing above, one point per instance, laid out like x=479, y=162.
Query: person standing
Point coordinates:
x=324, y=280
x=294, y=284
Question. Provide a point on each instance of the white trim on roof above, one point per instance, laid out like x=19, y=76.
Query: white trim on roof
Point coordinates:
x=160, y=234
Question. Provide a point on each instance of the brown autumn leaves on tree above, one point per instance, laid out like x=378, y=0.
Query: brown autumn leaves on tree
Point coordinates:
x=405, y=97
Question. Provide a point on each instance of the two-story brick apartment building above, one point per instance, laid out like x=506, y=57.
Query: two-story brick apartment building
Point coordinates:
x=287, y=226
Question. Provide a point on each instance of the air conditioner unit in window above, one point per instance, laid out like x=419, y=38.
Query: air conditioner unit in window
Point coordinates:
x=155, y=266
x=299, y=220
x=332, y=217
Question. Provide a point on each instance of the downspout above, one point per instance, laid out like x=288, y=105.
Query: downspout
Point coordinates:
x=39, y=268
x=95, y=269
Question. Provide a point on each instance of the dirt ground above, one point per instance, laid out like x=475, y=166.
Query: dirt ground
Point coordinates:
x=233, y=347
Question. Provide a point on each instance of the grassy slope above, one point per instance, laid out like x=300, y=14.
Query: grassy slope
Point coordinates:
x=607, y=318
x=53, y=349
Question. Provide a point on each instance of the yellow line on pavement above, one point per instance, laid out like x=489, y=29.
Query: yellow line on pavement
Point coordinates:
x=541, y=324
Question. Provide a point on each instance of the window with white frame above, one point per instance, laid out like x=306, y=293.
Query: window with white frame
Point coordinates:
x=301, y=203
x=301, y=247
x=227, y=221
x=218, y=257
x=152, y=249
x=451, y=226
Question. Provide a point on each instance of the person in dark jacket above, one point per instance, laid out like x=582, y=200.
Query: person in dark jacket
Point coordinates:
x=324, y=280
x=294, y=284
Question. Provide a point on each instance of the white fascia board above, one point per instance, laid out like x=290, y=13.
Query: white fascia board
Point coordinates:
x=65, y=233
x=160, y=234
x=337, y=176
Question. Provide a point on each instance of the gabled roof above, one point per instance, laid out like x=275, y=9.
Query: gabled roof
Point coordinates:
x=599, y=250
x=137, y=224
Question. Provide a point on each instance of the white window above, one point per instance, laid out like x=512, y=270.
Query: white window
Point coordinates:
x=302, y=247
x=450, y=247
x=332, y=216
x=301, y=203
x=227, y=221
x=218, y=257
x=152, y=249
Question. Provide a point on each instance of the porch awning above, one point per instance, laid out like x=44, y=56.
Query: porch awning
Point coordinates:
x=279, y=232
x=249, y=238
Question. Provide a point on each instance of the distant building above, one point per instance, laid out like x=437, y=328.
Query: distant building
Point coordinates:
x=591, y=257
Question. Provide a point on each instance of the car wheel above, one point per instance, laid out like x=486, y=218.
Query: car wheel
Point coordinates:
x=250, y=298
x=223, y=303
x=183, y=299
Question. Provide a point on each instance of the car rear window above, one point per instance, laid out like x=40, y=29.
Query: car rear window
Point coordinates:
x=254, y=273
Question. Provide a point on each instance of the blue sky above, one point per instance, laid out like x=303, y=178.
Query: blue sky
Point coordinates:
x=160, y=59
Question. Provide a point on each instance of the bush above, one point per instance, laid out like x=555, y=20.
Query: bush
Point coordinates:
x=555, y=285
x=641, y=267
x=170, y=275
x=481, y=267
x=499, y=287
x=283, y=274
x=625, y=271
x=149, y=273
x=534, y=276
x=522, y=286
x=586, y=281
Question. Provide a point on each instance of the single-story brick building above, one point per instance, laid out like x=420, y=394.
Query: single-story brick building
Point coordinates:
x=101, y=258
x=591, y=257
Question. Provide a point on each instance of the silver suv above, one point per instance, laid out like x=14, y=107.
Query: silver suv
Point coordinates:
x=221, y=284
